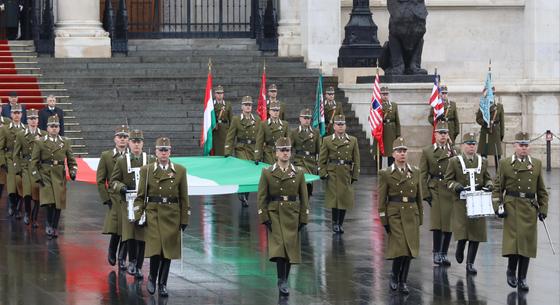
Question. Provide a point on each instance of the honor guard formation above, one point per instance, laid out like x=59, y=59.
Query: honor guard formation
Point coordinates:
x=147, y=206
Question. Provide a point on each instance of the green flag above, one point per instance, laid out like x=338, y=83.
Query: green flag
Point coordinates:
x=319, y=111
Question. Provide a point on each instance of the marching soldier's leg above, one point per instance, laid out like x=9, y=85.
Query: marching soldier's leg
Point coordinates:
x=335, y=220
x=154, y=268
x=309, y=190
x=471, y=256
x=132, y=252
x=436, y=246
x=444, y=248
x=341, y=214
x=122, y=255
x=141, y=246
x=281, y=271
x=56, y=219
x=112, y=251
x=395, y=272
x=403, y=287
x=35, y=215
x=50, y=216
x=522, y=273
x=162, y=277
x=511, y=270
x=18, y=206
x=27, y=206
x=460, y=251
x=13, y=204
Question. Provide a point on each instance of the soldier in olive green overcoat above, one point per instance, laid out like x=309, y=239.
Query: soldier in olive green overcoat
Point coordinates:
x=521, y=189
x=450, y=115
x=273, y=97
x=492, y=133
x=224, y=115
x=48, y=158
x=125, y=181
x=457, y=179
x=433, y=164
x=7, y=142
x=283, y=208
x=391, y=125
x=306, y=143
x=163, y=196
x=339, y=165
x=332, y=109
x=113, y=217
x=22, y=158
x=269, y=131
x=401, y=213
x=3, y=172
x=242, y=138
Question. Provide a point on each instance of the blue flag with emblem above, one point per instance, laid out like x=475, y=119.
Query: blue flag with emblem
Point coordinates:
x=487, y=99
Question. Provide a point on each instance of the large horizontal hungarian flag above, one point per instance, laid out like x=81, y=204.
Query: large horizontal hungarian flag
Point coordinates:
x=206, y=175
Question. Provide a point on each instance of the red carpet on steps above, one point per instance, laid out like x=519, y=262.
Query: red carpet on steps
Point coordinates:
x=26, y=87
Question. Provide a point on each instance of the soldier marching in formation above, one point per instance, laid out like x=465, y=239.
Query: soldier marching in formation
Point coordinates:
x=401, y=213
x=339, y=165
x=283, y=208
x=433, y=165
x=113, y=223
x=450, y=115
x=492, y=133
x=3, y=169
x=391, y=124
x=273, y=97
x=306, y=143
x=224, y=114
x=269, y=131
x=163, y=197
x=520, y=188
x=7, y=142
x=332, y=109
x=466, y=229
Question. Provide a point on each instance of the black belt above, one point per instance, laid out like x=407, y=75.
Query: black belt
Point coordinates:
x=341, y=162
x=283, y=198
x=163, y=200
x=52, y=162
x=402, y=199
x=521, y=195
x=438, y=176
x=304, y=153
x=446, y=120
x=27, y=158
x=246, y=141
x=223, y=121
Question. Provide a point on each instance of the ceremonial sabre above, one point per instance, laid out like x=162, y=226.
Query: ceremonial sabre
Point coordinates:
x=536, y=206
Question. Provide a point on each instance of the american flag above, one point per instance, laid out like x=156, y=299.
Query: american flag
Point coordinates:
x=436, y=103
x=375, y=117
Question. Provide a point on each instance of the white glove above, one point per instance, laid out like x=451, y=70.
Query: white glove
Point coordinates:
x=20, y=7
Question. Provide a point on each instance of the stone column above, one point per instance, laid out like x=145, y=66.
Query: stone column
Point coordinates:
x=289, y=32
x=79, y=32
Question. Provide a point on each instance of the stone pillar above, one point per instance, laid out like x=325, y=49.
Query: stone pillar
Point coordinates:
x=79, y=32
x=289, y=32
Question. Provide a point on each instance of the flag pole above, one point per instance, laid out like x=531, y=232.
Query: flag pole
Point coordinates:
x=378, y=153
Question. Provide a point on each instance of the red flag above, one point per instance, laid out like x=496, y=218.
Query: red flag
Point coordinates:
x=437, y=105
x=261, y=106
x=375, y=117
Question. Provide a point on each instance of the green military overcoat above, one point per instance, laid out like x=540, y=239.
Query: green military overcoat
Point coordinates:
x=163, y=230
x=242, y=137
x=472, y=229
x=123, y=175
x=450, y=116
x=22, y=159
x=306, y=144
x=285, y=215
x=339, y=191
x=224, y=115
x=520, y=224
x=47, y=165
x=3, y=174
x=7, y=143
x=400, y=207
x=332, y=109
x=113, y=217
x=391, y=126
x=433, y=164
x=267, y=135
x=491, y=138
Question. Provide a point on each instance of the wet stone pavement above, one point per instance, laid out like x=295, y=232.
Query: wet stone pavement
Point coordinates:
x=225, y=260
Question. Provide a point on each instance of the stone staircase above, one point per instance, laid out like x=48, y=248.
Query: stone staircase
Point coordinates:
x=159, y=88
x=33, y=88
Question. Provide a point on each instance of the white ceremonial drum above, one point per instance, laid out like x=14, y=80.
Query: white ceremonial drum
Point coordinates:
x=479, y=204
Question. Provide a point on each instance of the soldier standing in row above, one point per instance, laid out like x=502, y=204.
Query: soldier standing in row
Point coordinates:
x=401, y=213
x=283, y=209
x=163, y=196
x=223, y=112
x=521, y=189
x=273, y=97
x=125, y=180
x=7, y=142
x=269, y=131
x=391, y=124
x=3, y=170
x=449, y=115
x=466, y=229
x=433, y=164
x=50, y=153
x=25, y=141
x=491, y=134
x=241, y=138
x=332, y=109
x=306, y=142
x=339, y=165
x=113, y=217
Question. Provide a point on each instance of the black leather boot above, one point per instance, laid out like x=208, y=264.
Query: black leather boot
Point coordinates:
x=282, y=277
x=522, y=273
x=395, y=272
x=27, y=209
x=244, y=198
x=35, y=215
x=132, y=252
x=444, y=247
x=334, y=217
x=112, y=251
x=511, y=268
x=471, y=256
x=56, y=220
x=460, y=251
x=341, y=215
x=50, y=218
x=140, y=245
x=162, y=278
x=436, y=234
x=122, y=256
x=403, y=287
x=154, y=268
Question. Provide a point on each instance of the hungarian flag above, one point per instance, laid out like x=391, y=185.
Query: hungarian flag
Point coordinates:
x=437, y=105
x=319, y=111
x=261, y=106
x=209, y=118
x=375, y=117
